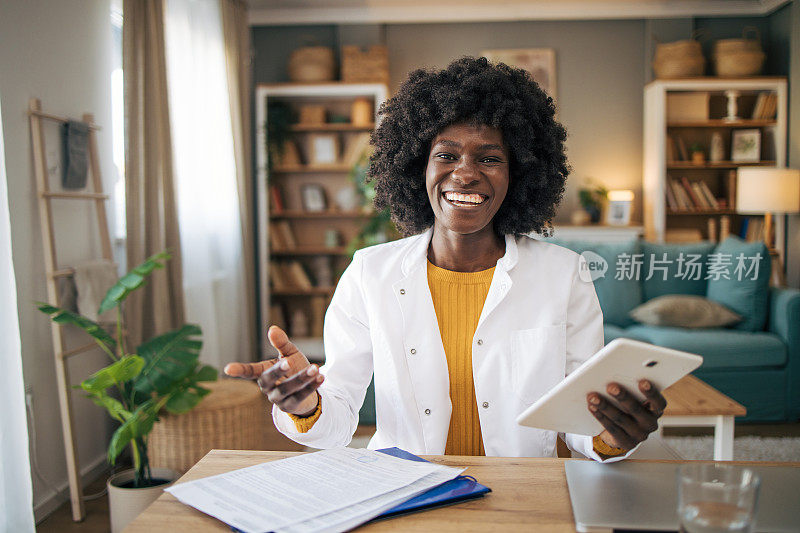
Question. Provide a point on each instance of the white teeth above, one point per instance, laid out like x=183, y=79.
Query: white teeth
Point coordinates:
x=464, y=198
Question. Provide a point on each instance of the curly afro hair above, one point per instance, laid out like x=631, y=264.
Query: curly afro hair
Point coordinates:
x=478, y=92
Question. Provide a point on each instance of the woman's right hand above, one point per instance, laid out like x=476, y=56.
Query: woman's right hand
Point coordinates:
x=290, y=382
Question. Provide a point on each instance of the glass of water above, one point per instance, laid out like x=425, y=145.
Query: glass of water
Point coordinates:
x=717, y=498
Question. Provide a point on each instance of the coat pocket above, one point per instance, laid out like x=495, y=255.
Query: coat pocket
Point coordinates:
x=538, y=360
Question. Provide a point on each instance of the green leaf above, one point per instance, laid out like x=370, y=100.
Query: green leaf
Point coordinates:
x=182, y=401
x=132, y=281
x=206, y=373
x=170, y=358
x=140, y=423
x=63, y=316
x=128, y=367
x=112, y=405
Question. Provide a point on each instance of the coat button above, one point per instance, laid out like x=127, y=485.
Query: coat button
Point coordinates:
x=485, y=405
x=480, y=342
x=402, y=291
x=413, y=351
x=427, y=411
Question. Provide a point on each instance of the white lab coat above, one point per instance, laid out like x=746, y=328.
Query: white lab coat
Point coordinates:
x=540, y=321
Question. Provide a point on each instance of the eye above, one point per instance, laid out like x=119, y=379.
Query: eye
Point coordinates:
x=491, y=159
x=446, y=156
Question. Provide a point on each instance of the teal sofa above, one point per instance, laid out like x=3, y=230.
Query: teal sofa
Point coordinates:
x=755, y=362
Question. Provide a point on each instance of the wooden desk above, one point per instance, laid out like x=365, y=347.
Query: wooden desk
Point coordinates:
x=527, y=494
x=692, y=402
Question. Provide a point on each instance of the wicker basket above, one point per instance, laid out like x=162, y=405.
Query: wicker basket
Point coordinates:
x=739, y=57
x=371, y=65
x=737, y=65
x=679, y=59
x=687, y=67
x=235, y=416
x=311, y=64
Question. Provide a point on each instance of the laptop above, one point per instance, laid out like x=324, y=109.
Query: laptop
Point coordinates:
x=643, y=496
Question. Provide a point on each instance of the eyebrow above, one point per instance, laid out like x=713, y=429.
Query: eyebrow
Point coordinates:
x=454, y=144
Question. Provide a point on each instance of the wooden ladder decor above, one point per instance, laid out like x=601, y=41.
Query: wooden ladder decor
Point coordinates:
x=54, y=273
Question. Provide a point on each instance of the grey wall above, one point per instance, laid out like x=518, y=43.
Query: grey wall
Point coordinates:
x=58, y=52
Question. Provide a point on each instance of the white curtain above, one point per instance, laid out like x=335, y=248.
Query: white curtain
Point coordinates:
x=16, y=492
x=205, y=176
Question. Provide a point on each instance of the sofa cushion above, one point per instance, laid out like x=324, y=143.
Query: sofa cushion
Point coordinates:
x=738, y=277
x=674, y=268
x=720, y=348
x=684, y=311
x=617, y=296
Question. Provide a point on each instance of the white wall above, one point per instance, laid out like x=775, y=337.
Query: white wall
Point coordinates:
x=58, y=51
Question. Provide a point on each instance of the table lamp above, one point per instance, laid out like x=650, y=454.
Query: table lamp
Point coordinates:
x=769, y=191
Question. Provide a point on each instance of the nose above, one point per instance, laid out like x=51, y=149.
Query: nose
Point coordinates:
x=465, y=172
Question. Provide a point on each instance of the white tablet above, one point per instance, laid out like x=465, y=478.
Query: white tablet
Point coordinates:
x=565, y=408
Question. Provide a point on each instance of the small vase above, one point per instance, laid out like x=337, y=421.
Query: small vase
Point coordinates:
x=717, y=151
x=698, y=158
x=125, y=504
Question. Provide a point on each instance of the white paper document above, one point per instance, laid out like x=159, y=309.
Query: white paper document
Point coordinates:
x=330, y=490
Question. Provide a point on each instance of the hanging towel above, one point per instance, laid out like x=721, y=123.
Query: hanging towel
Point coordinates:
x=76, y=147
x=93, y=281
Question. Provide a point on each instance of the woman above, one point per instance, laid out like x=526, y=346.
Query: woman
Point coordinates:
x=467, y=322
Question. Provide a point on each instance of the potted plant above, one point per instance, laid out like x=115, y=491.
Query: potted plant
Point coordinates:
x=161, y=373
x=592, y=198
x=698, y=155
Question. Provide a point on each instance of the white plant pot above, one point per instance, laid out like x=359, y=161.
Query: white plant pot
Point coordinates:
x=125, y=504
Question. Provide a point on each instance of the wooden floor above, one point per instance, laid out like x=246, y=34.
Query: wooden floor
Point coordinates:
x=97, y=511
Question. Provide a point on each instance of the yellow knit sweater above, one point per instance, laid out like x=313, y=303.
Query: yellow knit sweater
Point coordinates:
x=458, y=300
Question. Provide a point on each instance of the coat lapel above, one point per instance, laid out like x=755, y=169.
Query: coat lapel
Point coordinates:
x=423, y=350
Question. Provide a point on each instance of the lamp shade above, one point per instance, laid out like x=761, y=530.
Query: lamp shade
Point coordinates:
x=767, y=190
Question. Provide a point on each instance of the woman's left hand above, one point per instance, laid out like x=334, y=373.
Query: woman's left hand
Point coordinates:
x=631, y=422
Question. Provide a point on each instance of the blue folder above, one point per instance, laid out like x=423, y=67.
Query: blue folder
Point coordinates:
x=453, y=491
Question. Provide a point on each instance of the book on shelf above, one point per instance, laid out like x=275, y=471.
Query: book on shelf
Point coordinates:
x=701, y=200
x=277, y=278
x=275, y=199
x=731, y=200
x=671, y=155
x=694, y=202
x=276, y=316
x=753, y=229
x=681, y=198
x=672, y=202
x=297, y=275
x=276, y=241
x=682, y=151
x=317, y=315
x=287, y=236
x=766, y=106
x=713, y=203
x=354, y=148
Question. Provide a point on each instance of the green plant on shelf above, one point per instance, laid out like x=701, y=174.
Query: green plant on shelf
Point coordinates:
x=378, y=227
x=162, y=373
x=592, y=197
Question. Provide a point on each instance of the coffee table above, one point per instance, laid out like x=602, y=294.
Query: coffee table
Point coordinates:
x=692, y=402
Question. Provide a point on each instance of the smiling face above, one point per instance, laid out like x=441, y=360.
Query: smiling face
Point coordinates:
x=467, y=177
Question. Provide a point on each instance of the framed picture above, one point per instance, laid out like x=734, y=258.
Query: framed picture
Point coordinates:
x=323, y=149
x=540, y=62
x=618, y=212
x=746, y=146
x=313, y=197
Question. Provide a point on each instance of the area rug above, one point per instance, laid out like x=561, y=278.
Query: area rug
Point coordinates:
x=744, y=448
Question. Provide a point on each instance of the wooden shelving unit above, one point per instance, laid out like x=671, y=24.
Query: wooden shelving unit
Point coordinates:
x=717, y=178
x=299, y=235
